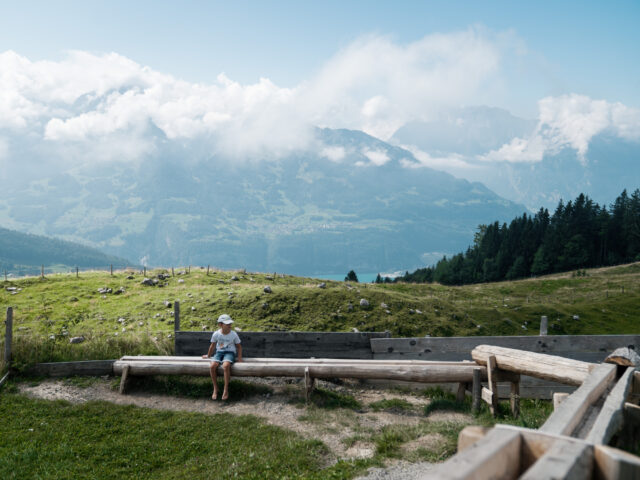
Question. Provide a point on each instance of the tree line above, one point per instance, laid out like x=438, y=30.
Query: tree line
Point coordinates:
x=580, y=234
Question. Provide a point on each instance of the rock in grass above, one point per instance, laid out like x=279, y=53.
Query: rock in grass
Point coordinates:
x=234, y=278
x=364, y=302
x=267, y=289
x=181, y=280
x=322, y=285
x=384, y=306
x=76, y=340
x=149, y=282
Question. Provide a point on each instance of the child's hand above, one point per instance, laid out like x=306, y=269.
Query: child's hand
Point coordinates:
x=239, y=360
x=205, y=356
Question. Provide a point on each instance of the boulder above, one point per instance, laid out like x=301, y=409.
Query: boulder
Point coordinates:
x=267, y=289
x=364, y=302
x=76, y=340
x=149, y=282
x=322, y=285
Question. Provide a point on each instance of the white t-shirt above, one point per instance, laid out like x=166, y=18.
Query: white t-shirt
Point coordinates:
x=225, y=343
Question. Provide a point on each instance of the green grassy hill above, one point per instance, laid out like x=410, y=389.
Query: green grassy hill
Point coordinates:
x=48, y=311
x=24, y=254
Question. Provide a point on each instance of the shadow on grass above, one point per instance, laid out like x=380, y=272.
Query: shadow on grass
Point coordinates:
x=191, y=387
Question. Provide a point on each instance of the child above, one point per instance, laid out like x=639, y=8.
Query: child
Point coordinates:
x=226, y=343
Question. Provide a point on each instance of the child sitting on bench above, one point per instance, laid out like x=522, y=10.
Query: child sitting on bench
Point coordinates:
x=226, y=344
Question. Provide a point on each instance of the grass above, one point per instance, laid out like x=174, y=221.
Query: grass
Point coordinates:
x=392, y=405
x=42, y=439
x=47, y=312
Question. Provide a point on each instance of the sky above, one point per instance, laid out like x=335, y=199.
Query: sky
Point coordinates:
x=253, y=76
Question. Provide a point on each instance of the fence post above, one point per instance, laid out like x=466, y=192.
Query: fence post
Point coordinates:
x=111, y=269
x=208, y=269
x=477, y=390
x=176, y=316
x=543, y=325
x=172, y=273
x=77, y=273
x=8, y=336
x=42, y=271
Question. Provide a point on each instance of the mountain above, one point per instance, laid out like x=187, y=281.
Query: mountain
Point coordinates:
x=23, y=254
x=349, y=202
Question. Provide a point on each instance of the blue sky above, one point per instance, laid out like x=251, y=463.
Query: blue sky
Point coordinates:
x=586, y=47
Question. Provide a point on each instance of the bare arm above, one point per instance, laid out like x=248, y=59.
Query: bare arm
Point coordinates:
x=212, y=347
x=239, y=348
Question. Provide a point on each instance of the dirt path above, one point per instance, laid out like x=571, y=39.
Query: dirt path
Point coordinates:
x=332, y=427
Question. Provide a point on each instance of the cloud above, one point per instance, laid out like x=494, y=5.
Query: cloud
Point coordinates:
x=333, y=153
x=374, y=85
x=376, y=157
x=570, y=121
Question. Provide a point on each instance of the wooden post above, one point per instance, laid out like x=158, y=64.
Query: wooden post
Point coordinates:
x=144, y=271
x=189, y=269
x=124, y=378
x=172, y=273
x=77, y=272
x=558, y=398
x=8, y=336
x=493, y=384
x=5, y=275
x=176, y=316
x=42, y=271
x=514, y=399
x=461, y=392
x=543, y=325
x=111, y=269
x=309, y=383
x=477, y=389
x=208, y=270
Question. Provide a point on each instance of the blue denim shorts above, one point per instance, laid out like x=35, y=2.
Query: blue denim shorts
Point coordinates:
x=221, y=357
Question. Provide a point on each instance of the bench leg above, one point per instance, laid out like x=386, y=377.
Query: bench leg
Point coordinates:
x=309, y=384
x=124, y=379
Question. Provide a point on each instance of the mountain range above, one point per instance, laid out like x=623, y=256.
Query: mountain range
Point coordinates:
x=354, y=202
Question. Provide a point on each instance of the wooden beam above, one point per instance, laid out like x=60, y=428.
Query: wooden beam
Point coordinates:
x=539, y=365
x=564, y=420
x=624, y=356
x=514, y=399
x=487, y=396
x=461, y=393
x=411, y=373
x=566, y=460
x=470, y=435
x=497, y=456
x=614, y=464
x=610, y=418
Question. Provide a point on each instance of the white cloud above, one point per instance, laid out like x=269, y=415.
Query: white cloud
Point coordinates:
x=374, y=84
x=335, y=154
x=449, y=162
x=570, y=121
x=376, y=157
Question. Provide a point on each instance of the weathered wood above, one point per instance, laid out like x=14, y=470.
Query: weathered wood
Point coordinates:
x=64, y=369
x=514, y=400
x=309, y=383
x=548, y=367
x=570, y=346
x=544, y=322
x=288, y=344
x=624, y=356
x=496, y=456
x=564, y=420
x=566, y=460
x=632, y=413
x=470, y=435
x=8, y=337
x=477, y=390
x=487, y=396
x=425, y=374
x=493, y=384
x=610, y=418
x=558, y=398
x=124, y=379
x=614, y=464
x=306, y=361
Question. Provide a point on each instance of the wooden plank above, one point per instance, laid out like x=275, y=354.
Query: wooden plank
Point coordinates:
x=487, y=396
x=548, y=367
x=610, y=418
x=496, y=456
x=566, y=460
x=590, y=357
x=470, y=435
x=461, y=393
x=614, y=464
x=64, y=369
x=549, y=344
x=287, y=344
x=426, y=374
x=564, y=420
x=558, y=398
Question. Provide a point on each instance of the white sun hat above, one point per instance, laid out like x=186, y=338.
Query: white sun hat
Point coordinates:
x=226, y=319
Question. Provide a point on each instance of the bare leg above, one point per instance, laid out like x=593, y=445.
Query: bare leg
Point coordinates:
x=213, y=370
x=226, y=366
